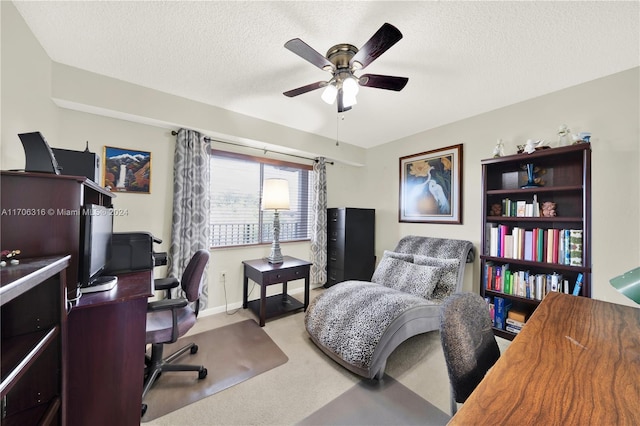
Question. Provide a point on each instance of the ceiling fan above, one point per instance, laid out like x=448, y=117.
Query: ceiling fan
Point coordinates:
x=342, y=60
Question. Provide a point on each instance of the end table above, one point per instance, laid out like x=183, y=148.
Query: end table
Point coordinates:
x=266, y=274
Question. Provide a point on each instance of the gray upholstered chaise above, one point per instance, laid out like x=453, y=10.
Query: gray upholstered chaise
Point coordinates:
x=359, y=324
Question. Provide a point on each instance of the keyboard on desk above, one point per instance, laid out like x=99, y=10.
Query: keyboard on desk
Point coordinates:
x=103, y=283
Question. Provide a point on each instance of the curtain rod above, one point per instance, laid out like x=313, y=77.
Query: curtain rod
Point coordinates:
x=209, y=139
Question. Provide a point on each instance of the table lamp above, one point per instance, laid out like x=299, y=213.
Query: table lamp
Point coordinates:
x=628, y=284
x=275, y=196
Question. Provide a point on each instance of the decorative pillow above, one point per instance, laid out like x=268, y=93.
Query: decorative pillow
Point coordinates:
x=407, y=257
x=449, y=280
x=419, y=280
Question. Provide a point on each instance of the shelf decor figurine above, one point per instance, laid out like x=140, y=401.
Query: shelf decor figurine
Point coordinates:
x=498, y=151
x=585, y=136
x=563, y=135
x=548, y=209
x=530, y=146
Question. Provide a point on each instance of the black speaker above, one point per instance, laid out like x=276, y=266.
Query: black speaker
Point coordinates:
x=78, y=163
x=38, y=154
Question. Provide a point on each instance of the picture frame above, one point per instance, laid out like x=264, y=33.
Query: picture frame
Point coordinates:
x=431, y=186
x=126, y=170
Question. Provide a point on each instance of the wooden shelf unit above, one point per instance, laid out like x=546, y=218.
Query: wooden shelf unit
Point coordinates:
x=41, y=215
x=32, y=300
x=566, y=176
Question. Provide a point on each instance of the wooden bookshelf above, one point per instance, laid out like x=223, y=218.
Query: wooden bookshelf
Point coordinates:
x=565, y=179
x=32, y=307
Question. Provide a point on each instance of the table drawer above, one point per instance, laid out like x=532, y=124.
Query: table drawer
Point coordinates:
x=290, y=274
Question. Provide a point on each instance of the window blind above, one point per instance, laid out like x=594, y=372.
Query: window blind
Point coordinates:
x=236, y=191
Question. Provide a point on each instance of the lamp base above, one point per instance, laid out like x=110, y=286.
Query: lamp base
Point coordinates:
x=275, y=256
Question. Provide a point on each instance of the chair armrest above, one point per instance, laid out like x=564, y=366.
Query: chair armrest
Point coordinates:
x=166, y=304
x=166, y=284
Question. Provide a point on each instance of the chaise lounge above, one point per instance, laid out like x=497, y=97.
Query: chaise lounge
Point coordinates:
x=359, y=324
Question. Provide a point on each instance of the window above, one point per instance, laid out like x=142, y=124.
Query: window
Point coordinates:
x=236, y=189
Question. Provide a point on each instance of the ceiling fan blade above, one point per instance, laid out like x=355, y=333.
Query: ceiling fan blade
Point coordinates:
x=380, y=42
x=305, y=89
x=388, y=82
x=341, y=107
x=308, y=53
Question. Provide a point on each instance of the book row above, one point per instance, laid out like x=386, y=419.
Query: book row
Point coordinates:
x=562, y=246
x=521, y=283
x=511, y=208
x=503, y=317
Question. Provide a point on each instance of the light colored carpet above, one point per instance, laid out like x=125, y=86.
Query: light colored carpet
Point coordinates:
x=291, y=392
x=232, y=354
x=373, y=402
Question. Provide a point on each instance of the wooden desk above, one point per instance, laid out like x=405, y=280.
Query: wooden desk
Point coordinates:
x=576, y=362
x=106, y=335
x=266, y=274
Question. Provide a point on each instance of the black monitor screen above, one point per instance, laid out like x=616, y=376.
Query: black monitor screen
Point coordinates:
x=96, y=241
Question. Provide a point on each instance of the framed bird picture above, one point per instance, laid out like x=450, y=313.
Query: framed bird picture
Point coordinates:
x=431, y=186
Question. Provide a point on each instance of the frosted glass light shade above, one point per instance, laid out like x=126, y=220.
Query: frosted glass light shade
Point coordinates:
x=350, y=87
x=329, y=94
x=275, y=194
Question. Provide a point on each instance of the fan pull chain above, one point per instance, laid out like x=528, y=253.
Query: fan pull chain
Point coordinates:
x=338, y=118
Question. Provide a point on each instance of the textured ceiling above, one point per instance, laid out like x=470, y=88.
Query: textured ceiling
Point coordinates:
x=462, y=58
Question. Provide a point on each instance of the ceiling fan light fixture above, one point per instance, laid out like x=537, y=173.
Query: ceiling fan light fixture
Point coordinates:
x=329, y=94
x=343, y=60
x=350, y=89
x=349, y=100
x=350, y=86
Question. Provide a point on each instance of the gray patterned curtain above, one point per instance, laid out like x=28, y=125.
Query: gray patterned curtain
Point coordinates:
x=191, y=185
x=319, y=223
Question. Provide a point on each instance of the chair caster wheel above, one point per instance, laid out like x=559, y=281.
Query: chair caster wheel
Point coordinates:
x=202, y=374
x=194, y=349
x=144, y=410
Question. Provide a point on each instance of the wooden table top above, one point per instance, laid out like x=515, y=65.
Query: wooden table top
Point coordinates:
x=576, y=362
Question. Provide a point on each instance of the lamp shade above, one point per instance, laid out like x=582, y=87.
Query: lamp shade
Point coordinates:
x=275, y=194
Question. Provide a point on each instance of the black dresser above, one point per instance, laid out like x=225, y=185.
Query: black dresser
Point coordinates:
x=350, y=244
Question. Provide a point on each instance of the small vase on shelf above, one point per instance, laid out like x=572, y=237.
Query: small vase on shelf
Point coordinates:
x=530, y=178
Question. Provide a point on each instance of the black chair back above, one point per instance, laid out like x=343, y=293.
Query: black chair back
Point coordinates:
x=470, y=348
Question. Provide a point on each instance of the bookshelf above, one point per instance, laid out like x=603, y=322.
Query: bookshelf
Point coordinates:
x=526, y=254
x=33, y=316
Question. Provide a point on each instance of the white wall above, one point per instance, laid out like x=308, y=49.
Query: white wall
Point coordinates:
x=607, y=107
x=26, y=103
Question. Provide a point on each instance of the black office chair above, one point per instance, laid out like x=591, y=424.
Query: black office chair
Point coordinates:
x=470, y=348
x=169, y=319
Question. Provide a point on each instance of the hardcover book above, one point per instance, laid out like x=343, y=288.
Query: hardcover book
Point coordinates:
x=502, y=306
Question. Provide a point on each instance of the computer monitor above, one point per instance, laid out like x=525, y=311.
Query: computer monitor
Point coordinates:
x=96, y=234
